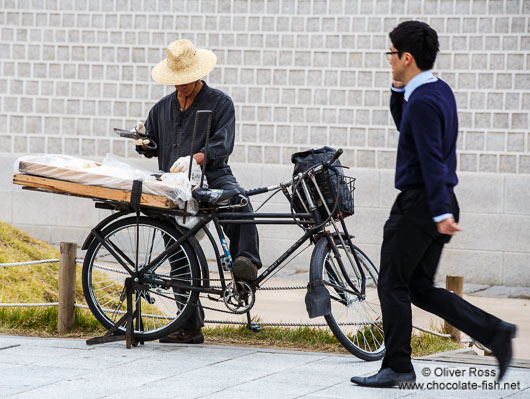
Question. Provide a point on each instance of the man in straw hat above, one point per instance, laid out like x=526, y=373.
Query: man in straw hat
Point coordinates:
x=170, y=125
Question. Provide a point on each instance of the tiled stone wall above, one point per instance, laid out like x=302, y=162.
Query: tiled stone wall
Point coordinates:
x=301, y=73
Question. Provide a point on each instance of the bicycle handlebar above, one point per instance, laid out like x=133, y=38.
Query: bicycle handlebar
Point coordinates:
x=337, y=154
x=254, y=191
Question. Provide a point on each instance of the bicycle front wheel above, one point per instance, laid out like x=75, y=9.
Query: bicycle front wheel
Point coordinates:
x=355, y=321
x=162, y=309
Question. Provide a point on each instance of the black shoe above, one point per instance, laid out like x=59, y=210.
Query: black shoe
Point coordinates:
x=182, y=336
x=501, y=346
x=385, y=378
x=244, y=269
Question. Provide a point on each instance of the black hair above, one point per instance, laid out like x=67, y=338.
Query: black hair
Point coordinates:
x=418, y=39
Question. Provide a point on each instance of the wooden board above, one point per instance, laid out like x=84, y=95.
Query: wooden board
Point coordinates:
x=91, y=177
x=84, y=190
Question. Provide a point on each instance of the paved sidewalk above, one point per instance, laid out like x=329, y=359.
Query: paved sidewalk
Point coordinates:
x=67, y=368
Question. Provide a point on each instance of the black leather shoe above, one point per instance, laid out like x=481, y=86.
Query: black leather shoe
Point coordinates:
x=501, y=346
x=182, y=336
x=244, y=269
x=385, y=378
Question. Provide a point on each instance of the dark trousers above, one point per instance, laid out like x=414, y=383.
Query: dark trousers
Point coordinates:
x=244, y=241
x=410, y=254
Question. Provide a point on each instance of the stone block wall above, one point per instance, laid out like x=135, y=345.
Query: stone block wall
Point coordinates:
x=301, y=73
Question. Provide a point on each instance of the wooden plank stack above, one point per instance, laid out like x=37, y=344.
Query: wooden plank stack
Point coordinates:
x=30, y=180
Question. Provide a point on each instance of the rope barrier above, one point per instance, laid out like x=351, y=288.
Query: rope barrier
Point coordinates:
x=34, y=262
x=244, y=323
x=431, y=332
x=281, y=324
x=28, y=305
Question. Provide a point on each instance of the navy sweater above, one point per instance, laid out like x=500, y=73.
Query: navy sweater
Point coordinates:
x=426, y=156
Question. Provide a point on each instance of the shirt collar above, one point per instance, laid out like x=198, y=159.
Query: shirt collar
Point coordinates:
x=417, y=81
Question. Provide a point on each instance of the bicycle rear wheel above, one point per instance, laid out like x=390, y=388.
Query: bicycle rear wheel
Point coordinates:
x=162, y=309
x=356, y=322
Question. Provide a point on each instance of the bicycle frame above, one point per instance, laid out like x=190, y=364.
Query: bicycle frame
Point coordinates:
x=219, y=217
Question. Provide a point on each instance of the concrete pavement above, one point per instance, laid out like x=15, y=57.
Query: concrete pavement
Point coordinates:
x=68, y=368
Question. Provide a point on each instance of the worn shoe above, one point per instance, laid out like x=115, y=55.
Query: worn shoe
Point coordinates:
x=385, y=378
x=244, y=269
x=182, y=336
x=501, y=346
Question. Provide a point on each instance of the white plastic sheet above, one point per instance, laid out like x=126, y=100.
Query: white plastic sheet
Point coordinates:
x=113, y=173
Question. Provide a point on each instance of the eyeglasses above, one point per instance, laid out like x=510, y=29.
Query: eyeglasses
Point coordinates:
x=389, y=54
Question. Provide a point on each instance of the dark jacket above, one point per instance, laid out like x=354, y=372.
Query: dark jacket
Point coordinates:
x=172, y=130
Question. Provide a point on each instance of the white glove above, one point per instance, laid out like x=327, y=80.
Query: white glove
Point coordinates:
x=182, y=165
x=140, y=128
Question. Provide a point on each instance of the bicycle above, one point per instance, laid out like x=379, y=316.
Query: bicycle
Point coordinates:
x=142, y=274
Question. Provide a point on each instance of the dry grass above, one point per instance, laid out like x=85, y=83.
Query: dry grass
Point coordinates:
x=312, y=339
x=33, y=283
x=300, y=338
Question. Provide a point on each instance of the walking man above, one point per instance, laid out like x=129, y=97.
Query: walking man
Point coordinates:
x=425, y=214
x=170, y=126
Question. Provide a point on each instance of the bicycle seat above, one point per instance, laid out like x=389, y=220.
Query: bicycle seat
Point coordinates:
x=213, y=196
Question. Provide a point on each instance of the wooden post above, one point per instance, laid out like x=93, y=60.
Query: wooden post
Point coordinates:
x=456, y=285
x=67, y=271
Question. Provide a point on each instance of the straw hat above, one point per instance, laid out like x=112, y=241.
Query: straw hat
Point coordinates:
x=184, y=64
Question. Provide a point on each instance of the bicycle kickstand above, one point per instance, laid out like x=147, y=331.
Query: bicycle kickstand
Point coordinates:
x=252, y=325
x=113, y=334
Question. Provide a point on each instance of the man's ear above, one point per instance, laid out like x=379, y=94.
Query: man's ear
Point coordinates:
x=409, y=59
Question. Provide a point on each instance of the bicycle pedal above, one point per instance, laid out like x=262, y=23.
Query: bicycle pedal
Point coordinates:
x=226, y=263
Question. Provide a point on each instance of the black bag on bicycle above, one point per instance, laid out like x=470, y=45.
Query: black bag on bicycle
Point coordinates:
x=327, y=182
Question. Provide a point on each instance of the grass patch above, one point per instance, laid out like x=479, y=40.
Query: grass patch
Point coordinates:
x=34, y=284
x=311, y=339
x=301, y=338
x=424, y=344
x=43, y=322
x=38, y=283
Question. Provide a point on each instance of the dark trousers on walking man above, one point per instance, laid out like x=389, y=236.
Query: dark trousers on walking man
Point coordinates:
x=410, y=255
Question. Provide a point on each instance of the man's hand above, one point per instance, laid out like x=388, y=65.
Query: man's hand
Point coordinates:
x=140, y=128
x=181, y=165
x=448, y=226
x=199, y=158
x=397, y=84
